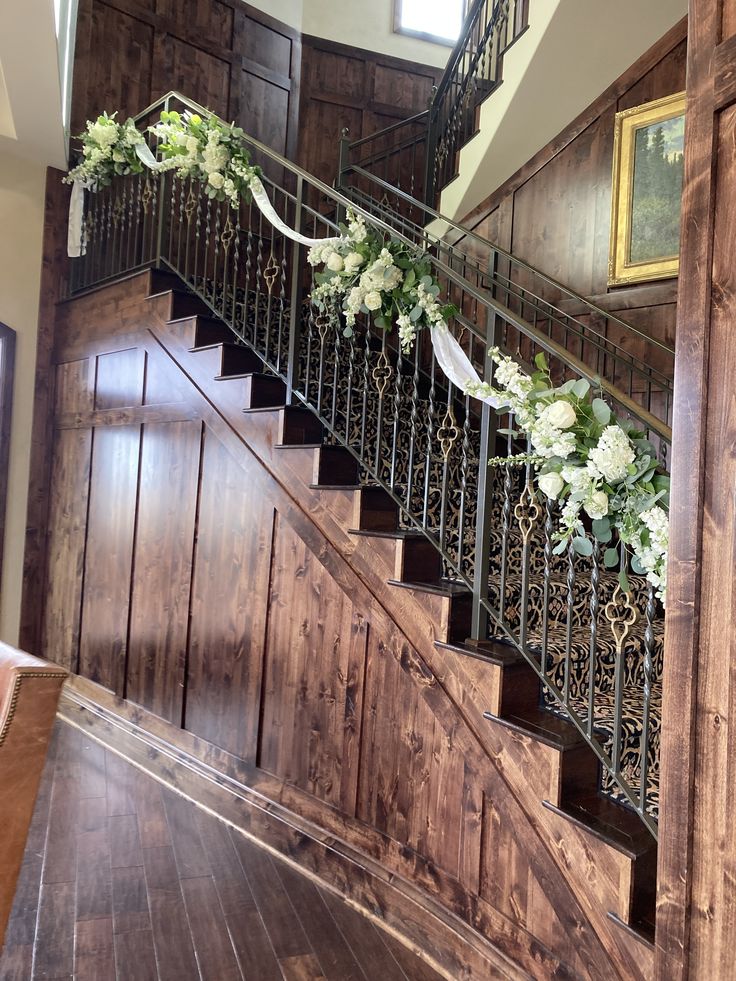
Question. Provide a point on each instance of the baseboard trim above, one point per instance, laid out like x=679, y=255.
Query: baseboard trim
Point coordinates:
x=443, y=940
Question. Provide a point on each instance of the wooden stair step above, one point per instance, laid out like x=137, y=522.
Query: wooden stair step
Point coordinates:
x=334, y=466
x=458, y=603
x=205, y=331
x=374, y=510
x=180, y=304
x=417, y=559
x=263, y=391
x=298, y=426
x=238, y=361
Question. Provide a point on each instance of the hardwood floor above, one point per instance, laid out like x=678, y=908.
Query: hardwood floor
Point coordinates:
x=123, y=880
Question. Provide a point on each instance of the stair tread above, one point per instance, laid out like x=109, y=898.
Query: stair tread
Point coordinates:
x=487, y=651
x=609, y=821
x=540, y=724
x=440, y=589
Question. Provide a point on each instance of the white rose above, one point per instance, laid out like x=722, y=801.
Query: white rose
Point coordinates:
x=550, y=484
x=373, y=300
x=597, y=506
x=560, y=414
x=335, y=262
x=216, y=180
x=192, y=145
x=353, y=261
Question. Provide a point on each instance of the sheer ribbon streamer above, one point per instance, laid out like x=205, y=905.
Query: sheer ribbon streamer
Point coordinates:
x=451, y=358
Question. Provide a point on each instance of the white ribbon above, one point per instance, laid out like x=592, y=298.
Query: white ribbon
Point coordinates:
x=455, y=363
x=261, y=199
x=75, y=243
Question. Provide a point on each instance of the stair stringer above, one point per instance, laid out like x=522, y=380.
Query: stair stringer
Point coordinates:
x=515, y=772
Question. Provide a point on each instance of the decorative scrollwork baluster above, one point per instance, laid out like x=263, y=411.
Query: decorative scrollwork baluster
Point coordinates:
x=621, y=615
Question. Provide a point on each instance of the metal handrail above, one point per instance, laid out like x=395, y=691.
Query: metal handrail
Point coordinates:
x=466, y=232
x=536, y=336
x=390, y=129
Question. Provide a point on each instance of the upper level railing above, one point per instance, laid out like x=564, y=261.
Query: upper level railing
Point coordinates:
x=415, y=435
x=418, y=154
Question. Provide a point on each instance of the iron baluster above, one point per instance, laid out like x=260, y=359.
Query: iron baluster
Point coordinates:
x=548, y=552
x=570, y=619
x=594, y=606
x=647, y=693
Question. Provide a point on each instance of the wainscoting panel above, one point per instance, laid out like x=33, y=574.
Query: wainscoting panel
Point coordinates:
x=229, y=603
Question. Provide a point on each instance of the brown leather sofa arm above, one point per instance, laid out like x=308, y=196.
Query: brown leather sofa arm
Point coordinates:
x=29, y=694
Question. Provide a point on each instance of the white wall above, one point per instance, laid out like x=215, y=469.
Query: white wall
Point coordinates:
x=287, y=11
x=21, y=231
x=355, y=22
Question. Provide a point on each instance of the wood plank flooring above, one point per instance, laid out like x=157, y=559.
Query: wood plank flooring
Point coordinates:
x=123, y=880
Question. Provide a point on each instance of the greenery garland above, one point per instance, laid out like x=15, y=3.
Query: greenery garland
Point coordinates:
x=201, y=149
x=592, y=463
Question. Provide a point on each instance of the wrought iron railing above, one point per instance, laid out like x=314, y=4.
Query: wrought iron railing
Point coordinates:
x=419, y=154
x=418, y=437
x=639, y=365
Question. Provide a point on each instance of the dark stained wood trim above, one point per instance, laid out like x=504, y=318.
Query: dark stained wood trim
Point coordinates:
x=682, y=635
x=54, y=272
x=7, y=373
x=724, y=69
x=175, y=412
x=648, y=60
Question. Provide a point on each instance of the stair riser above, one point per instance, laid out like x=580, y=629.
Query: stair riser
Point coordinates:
x=334, y=466
x=374, y=510
x=297, y=426
x=262, y=392
x=417, y=560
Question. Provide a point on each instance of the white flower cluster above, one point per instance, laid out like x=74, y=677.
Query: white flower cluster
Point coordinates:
x=108, y=148
x=611, y=458
x=587, y=461
x=373, y=276
x=205, y=150
x=652, y=556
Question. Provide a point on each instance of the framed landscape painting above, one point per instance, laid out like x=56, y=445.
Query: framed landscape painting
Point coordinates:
x=648, y=153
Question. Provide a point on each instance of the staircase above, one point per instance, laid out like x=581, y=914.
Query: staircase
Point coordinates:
x=392, y=445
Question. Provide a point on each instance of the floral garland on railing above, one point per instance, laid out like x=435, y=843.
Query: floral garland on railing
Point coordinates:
x=592, y=463
x=203, y=149
x=109, y=149
x=367, y=272
x=206, y=150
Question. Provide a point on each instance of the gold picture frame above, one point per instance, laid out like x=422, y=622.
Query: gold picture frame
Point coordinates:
x=648, y=148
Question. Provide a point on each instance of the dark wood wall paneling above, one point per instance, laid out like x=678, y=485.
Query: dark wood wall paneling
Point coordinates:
x=237, y=61
x=555, y=213
x=363, y=91
x=245, y=66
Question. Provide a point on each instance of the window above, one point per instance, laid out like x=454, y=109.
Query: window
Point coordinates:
x=433, y=20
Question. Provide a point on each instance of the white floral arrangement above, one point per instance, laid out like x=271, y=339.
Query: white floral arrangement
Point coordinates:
x=206, y=150
x=202, y=149
x=108, y=150
x=592, y=463
x=367, y=272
